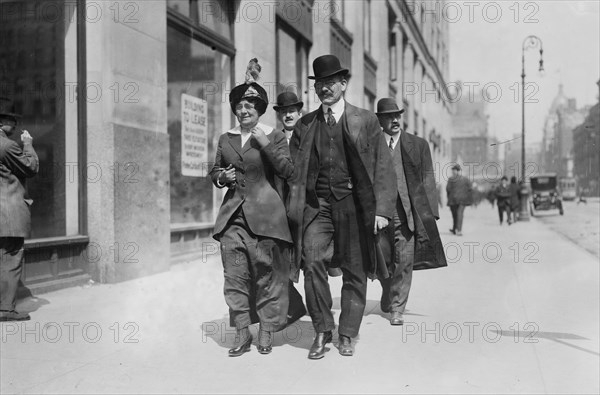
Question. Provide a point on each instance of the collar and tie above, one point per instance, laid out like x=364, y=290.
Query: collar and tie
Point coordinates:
x=391, y=145
x=330, y=118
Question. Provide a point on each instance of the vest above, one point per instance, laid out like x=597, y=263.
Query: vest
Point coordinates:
x=334, y=177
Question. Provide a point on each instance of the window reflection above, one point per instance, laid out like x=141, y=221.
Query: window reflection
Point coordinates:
x=35, y=71
x=197, y=70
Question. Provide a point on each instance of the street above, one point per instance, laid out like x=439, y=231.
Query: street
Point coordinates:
x=516, y=311
x=580, y=223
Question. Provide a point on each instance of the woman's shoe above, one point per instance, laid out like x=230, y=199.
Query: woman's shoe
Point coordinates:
x=265, y=340
x=241, y=349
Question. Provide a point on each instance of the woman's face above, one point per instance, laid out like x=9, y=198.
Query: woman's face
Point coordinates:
x=246, y=114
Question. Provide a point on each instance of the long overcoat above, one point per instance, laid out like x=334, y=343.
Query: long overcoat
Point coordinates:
x=420, y=180
x=16, y=165
x=373, y=179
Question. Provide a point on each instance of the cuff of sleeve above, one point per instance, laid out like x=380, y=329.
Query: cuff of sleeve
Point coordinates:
x=219, y=184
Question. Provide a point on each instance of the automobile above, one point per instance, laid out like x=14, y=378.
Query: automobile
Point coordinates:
x=545, y=194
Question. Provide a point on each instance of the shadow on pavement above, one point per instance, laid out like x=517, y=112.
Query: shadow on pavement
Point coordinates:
x=534, y=336
x=31, y=304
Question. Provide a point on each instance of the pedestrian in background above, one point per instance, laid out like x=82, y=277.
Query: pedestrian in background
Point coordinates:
x=16, y=164
x=503, y=200
x=412, y=240
x=515, y=198
x=289, y=111
x=253, y=161
x=460, y=195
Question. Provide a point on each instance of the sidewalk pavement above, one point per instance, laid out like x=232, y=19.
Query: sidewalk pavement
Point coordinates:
x=516, y=311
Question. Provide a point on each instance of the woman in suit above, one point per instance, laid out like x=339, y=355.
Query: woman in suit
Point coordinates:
x=253, y=161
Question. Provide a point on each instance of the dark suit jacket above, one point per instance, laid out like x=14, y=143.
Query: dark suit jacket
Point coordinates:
x=459, y=191
x=420, y=180
x=16, y=164
x=373, y=179
x=259, y=185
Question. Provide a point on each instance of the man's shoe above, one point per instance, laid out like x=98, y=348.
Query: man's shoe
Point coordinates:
x=317, y=350
x=458, y=233
x=396, y=318
x=13, y=316
x=452, y=231
x=345, y=346
x=241, y=349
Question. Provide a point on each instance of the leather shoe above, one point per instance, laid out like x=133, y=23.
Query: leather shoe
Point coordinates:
x=396, y=318
x=265, y=340
x=241, y=349
x=452, y=231
x=317, y=350
x=13, y=316
x=345, y=346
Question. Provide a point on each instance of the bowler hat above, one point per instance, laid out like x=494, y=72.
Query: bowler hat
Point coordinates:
x=287, y=99
x=456, y=167
x=7, y=108
x=388, y=106
x=326, y=66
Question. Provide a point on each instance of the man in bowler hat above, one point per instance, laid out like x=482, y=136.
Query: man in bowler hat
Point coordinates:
x=412, y=241
x=16, y=165
x=342, y=193
x=289, y=111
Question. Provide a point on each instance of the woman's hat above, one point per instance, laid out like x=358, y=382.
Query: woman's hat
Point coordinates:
x=7, y=108
x=250, y=89
x=287, y=99
x=388, y=106
x=327, y=66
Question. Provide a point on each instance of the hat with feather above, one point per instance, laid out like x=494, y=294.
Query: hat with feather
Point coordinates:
x=250, y=89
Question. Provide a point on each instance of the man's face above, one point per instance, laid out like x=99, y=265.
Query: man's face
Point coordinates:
x=504, y=182
x=331, y=89
x=455, y=172
x=247, y=114
x=390, y=122
x=8, y=125
x=289, y=116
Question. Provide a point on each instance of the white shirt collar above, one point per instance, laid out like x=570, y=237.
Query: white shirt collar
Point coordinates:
x=336, y=108
x=238, y=130
x=388, y=137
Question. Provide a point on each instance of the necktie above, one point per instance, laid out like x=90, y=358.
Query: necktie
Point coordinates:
x=330, y=118
x=391, y=144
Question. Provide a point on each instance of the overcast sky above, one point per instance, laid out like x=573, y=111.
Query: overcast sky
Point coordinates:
x=485, y=48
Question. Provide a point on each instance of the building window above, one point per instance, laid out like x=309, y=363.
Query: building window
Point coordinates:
x=199, y=74
x=292, y=63
x=367, y=25
x=43, y=88
x=369, y=101
x=393, y=57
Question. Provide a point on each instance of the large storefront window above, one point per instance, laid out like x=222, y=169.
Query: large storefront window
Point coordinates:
x=199, y=79
x=38, y=69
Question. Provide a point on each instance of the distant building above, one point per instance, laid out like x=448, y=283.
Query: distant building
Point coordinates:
x=586, y=153
x=512, y=158
x=557, y=142
x=470, y=141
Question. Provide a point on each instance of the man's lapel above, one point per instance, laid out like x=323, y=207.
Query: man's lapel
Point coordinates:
x=408, y=146
x=352, y=122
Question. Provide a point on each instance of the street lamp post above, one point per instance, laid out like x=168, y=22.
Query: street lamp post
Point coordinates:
x=528, y=43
